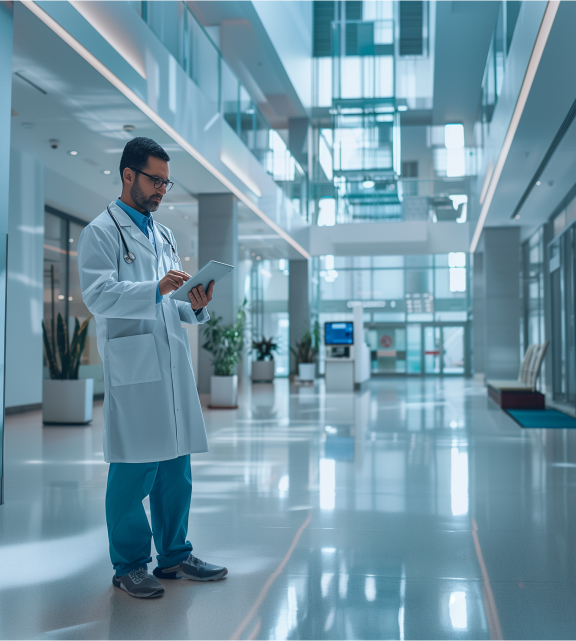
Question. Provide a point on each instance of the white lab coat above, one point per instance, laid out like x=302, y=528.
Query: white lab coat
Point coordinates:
x=151, y=407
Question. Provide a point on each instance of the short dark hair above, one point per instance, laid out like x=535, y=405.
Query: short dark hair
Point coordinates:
x=137, y=151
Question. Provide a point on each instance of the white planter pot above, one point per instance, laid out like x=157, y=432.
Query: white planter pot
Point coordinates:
x=263, y=371
x=67, y=402
x=224, y=392
x=306, y=371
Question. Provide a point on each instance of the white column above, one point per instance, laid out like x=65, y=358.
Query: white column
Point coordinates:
x=217, y=240
x=298, y=305
x=502, y=302
x=6, y=30
x=24, y=310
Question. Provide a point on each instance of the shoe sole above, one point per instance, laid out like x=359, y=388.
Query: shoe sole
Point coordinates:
x=154, y=595
x=181, y=575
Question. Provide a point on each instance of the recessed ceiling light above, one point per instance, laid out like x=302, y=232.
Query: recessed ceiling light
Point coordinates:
x=538, y=183
x=187, y=258
x=106, y=172
x=73, y=153
x=171, y=207
x=70, y=240
x=257, y=257
x=368, y=184
x=129, y=127
x=61, y=297
x=517, y=216
x=402, y=107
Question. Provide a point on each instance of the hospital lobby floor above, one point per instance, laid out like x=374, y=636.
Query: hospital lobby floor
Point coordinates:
x=412, y=509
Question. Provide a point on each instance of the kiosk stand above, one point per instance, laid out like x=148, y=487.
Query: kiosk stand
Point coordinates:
x=340, y=373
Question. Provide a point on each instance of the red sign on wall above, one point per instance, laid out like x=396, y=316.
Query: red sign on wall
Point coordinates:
x=386, y=341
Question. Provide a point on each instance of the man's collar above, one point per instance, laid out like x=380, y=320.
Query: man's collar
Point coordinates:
x=141, y=219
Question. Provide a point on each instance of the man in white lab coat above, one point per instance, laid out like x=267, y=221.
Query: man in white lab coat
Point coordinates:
x=153, y=420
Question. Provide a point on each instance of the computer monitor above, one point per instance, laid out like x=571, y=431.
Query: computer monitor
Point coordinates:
x=339, y=333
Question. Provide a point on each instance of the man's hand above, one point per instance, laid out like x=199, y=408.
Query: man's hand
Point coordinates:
x=199, y=298
x=172, y=281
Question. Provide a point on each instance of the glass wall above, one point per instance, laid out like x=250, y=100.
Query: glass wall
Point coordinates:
x=268, y=316
x=533, y=318
x=62, y=293
x=416, y=309
x=562, y=263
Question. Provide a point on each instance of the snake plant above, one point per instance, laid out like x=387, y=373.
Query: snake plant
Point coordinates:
x=64, y=363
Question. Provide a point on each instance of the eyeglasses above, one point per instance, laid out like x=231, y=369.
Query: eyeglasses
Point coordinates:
x=158, y=182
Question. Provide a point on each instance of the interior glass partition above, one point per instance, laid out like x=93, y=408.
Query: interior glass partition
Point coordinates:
x=268, y=308
x=416, y=309
x=562, y=263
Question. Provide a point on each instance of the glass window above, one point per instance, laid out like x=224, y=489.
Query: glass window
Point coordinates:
x=388, y=284
x=268, y=310
x=61, y=237
x=388, y=261
x=418, y=281
x=418, y=261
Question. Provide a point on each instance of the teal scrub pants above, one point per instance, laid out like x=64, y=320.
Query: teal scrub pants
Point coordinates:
x=169, y=484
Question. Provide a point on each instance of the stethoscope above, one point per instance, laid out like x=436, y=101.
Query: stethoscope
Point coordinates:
x=129, y=257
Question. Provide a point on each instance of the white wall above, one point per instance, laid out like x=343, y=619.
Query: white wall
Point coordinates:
x=25, y=281
x=389, y=239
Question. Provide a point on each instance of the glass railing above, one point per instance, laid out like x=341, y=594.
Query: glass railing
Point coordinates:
x=189, y=43
x=497, y=56
x=384, y=200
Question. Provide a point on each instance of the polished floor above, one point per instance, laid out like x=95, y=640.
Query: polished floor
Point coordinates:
x=414, y=509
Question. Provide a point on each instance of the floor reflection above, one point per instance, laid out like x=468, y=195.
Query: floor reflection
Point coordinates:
x=411, y=509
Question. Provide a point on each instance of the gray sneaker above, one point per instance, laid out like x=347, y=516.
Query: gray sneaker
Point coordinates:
x=140, y=584
x=194, y=569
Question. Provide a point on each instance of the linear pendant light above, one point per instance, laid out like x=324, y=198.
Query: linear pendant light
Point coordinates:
x=535, y=57
x=156, y=119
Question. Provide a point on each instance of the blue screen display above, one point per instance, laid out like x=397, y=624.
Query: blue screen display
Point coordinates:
x=339, y=333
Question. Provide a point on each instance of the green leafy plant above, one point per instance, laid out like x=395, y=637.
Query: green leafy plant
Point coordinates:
x=264, y=348
x=64, y=363
x=306, y=350
x=225, y=342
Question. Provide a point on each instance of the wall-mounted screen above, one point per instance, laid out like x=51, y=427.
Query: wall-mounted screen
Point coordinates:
x=339, y=333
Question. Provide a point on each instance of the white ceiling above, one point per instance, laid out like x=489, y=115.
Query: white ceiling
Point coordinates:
x=463, y=34
x=550, y=99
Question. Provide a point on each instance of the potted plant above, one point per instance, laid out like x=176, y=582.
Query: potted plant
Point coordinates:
x=306, y=353
x=226, y=344
x=65, y=398
x=263, y=366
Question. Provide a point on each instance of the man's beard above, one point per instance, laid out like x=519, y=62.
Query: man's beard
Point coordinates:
x=147, y=204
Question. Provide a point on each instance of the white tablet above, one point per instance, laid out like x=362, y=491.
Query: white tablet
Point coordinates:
x=212, y=271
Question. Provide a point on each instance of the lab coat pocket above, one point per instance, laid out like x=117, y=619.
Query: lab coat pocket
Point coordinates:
x=133, y=359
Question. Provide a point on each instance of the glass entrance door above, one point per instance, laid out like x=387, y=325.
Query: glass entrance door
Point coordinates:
x=388, y=348
x=432, y=352
x=443, y=349
x=453, y=350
